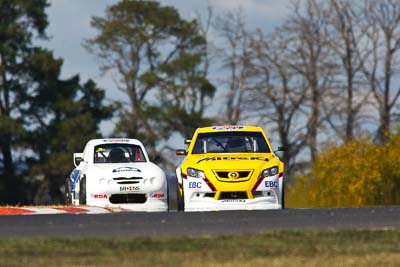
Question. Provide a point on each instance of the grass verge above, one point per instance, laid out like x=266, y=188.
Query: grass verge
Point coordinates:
x=280, y=248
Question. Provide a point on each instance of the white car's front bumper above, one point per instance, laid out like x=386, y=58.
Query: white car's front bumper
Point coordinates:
x=137, y=197
x=151, y=205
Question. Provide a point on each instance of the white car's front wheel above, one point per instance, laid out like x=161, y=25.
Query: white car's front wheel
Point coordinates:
x=68, y=192
x=82, y=191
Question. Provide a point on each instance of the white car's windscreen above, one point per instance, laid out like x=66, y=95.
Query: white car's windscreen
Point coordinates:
x=118, y=153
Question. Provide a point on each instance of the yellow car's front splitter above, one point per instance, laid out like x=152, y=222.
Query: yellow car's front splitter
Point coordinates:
x=202, y=195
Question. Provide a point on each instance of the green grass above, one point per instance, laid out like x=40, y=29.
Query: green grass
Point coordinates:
x=281, y=248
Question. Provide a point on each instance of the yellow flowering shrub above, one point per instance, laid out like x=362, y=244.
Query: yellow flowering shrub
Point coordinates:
x=358, y=173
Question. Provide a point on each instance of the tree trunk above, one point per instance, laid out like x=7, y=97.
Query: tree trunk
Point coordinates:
x=384, y=127
x=7, y=156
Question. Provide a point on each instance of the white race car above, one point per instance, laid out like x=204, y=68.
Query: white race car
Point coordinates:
x=117, y=173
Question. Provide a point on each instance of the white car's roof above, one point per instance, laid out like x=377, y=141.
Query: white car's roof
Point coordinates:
x=95, y=142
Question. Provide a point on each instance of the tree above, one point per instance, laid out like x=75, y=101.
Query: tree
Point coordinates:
x=277, y=97
x=156, y=56
x=312, y=60
x=43, y=119
x=382, y=27
x=61, y=117
x=347, y=97
x=235, y=55
x=20, y=22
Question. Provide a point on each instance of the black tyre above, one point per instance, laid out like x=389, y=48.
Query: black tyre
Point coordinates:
x=68, y=192
x=168, y=198
x=82, y=191
x=283, y=196
x=179, y=198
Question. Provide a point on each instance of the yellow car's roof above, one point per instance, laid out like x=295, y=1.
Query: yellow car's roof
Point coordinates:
x=224, y=128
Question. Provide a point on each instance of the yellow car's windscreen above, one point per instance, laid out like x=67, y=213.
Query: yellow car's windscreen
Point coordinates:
x=231, y=142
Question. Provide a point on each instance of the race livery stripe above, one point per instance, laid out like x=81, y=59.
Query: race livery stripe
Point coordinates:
x=14, y=211
x=210, y=185
x=257, y=183
x=51, y=210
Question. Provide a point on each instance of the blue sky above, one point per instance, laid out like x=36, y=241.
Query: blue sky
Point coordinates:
x=70, y=25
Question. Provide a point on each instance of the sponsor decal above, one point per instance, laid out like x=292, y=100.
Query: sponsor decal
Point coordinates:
x=233, y=200
x=99, y=196
x=227, y=127
x=126, y=169
x=158, y=195
x=129, y=188
x=194, y=184
x=74, y=177
x=271, y=184
x=115, y=140
x=232, y=158
x=75, y=174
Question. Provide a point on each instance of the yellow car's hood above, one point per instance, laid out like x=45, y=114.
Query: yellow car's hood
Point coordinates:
x=218, y=168
x=231, y=161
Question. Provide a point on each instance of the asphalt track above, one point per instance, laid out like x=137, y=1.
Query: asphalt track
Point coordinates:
x=133, y=224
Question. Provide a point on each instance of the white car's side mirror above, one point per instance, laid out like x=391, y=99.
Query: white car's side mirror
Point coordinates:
x=78, y=158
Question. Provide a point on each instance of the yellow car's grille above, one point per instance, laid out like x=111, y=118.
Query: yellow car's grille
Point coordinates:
x=233, y=175
x=232, y=195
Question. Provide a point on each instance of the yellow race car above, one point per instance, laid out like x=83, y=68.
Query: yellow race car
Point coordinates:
x=229, y=168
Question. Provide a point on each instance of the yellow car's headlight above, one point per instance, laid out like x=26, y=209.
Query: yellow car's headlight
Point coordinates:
x=195, y=173
x=270, y=172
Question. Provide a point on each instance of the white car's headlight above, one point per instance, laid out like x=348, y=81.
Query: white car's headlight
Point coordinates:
x=195, y=173
x=270, y=172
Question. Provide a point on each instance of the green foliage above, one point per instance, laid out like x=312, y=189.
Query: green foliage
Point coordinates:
x=159, y=58
x=9, y=126
x=358, y=173
x=183, y=121
x=20, y=22
x=63, y=115
x=43, y=119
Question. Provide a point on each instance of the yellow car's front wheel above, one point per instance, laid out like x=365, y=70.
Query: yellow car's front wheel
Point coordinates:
x=179, y=198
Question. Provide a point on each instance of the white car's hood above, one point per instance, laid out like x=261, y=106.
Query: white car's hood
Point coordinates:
x=142, y=169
